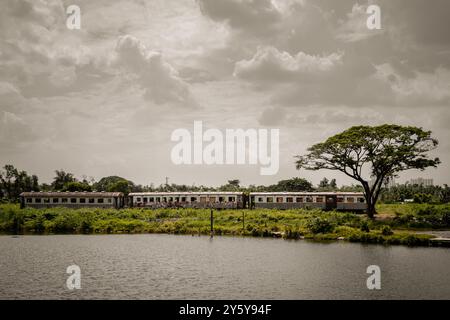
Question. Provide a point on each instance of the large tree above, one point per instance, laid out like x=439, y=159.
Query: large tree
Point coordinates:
x=61, y=179
x=14, y=181
x=379, y=151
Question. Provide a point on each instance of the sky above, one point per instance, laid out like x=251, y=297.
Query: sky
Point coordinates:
x=104, y=99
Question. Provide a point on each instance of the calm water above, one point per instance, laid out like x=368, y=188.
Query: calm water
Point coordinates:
x=186, y=267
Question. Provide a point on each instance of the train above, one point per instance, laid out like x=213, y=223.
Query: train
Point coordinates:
x=341, y=201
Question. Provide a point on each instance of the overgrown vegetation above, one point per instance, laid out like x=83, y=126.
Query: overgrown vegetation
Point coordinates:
x=397, y=226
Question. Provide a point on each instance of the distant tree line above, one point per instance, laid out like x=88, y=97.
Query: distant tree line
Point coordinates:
x=416, y=193
x=14, y=181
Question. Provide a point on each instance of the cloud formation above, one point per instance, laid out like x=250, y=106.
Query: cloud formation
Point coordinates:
x=269, y=64
x=158, y=78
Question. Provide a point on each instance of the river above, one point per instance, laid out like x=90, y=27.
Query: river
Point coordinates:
x=185, y=267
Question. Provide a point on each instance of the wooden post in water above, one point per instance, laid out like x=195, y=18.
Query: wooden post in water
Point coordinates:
x=212, y=223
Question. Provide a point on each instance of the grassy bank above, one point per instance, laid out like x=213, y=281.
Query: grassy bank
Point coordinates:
x=395, y=225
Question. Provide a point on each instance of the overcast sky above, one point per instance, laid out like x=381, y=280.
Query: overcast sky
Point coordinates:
x=104, y=100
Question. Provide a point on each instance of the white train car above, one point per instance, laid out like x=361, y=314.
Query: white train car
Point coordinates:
x=217, y=200
x=351, y=201
x=72, y=199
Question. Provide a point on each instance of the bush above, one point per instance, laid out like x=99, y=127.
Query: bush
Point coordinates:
x=364, y=226
x=386, y=231
x=320, y=225
x=415, y=240
x=423, y=198
x=446, y=219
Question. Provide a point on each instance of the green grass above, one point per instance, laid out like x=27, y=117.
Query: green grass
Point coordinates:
x=290, y=224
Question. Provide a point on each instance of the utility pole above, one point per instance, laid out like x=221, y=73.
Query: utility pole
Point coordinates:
x=167, y=181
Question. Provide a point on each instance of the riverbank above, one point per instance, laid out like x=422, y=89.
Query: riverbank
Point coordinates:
x=396, y=224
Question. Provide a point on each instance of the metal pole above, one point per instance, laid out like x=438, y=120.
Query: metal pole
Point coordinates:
x=212, y=223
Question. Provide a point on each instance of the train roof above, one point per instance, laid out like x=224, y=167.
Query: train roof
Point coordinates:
x=72, y=194
x=305, y=193
x=184, y=193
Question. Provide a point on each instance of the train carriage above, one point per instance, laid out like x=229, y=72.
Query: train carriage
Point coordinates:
x=351, y=201
x=72, y=199
x=217, y=200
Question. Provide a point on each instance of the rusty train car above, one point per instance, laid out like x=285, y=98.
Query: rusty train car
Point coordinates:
x=342, y=201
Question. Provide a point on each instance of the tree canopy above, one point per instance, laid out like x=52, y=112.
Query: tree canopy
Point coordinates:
x=14, y=181
x=381, y=151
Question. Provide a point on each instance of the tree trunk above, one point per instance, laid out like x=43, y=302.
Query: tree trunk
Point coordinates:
x=370, y=204
x=371, y=211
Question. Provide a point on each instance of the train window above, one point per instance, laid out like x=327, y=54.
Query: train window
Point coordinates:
x=109, y=200
x=270, y=199
x=73, y=200
x=145, y=199
x=55, y=200
x=230, y=199
x=299, y=199
x=340, y=199
x=260, y=199
x=170, y=199
x=361, y=200
x=29, y=200
x=91, y=200
x=289, y=199
x=37, y=200
x=183, y=199
x=309, y=199
x=319, y=199
x=212, y=199
x=100, y=200
x=177, y=199
x=279, y=199
x=350, y=199
x=138, y=199
x=46, y=200
x=82, y=200
x=151, y=199
x=221, y=199
x=164, y=199
x=64, y=200
x=158, y=199
x=193, y=199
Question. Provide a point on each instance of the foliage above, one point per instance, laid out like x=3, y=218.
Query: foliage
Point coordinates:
x=320, y=225
x=365, y=226
x=76, y=186
x=384, y=150
x=61, y=179
x=289, y=224
x=420, y=193
x=13, y=182
x=117, y=184
x=386, y=231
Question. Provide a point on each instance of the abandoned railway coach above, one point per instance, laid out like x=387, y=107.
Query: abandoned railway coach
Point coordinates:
x=217, y=200
x=352, y=201
x=72, y=199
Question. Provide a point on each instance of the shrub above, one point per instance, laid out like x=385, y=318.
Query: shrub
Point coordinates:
x=364, y=226
x=446, y=219
x=386, y=231
x=423, y=198
x=320, y=225
x=415, y=240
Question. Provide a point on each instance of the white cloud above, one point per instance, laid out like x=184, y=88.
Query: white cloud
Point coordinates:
x=269, y=64
x=158, y=78
x=354, y=28
x=421, y=89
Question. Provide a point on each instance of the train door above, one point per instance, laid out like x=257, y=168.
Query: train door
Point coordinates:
x=331, y=202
